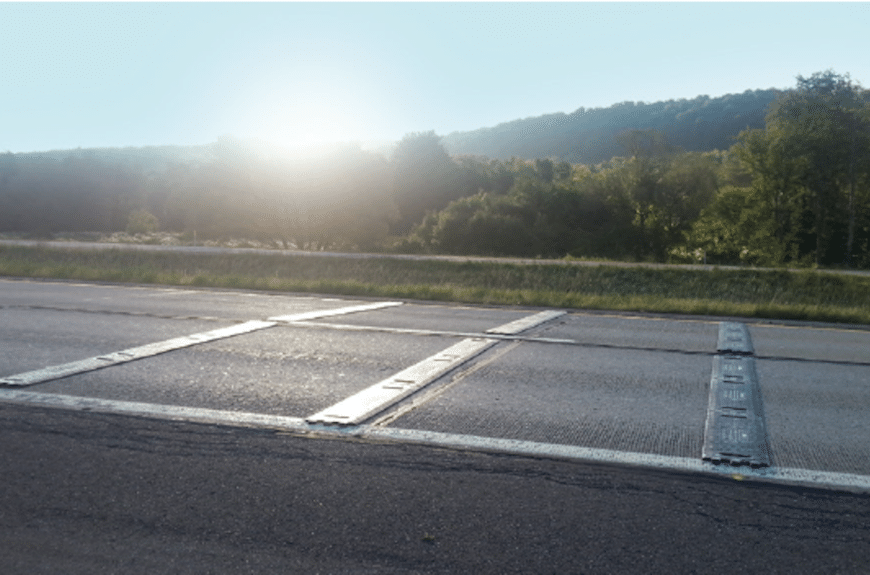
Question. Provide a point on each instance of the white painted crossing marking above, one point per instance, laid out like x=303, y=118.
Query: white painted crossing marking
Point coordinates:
x=787, y=475
x=374, y=399
x=106, y=360
x=525, y=323
x=133, y=353
x=328, y=313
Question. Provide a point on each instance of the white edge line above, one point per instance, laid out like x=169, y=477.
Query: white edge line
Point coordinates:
x=171, y=412
x=826, y=479
x=786, y=475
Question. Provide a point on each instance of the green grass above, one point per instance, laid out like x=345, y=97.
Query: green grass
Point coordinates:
x=803, y=295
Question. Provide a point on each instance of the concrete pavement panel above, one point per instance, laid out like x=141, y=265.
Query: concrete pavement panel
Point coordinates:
x=635, y=332
x=830, y=343
x=625, y=400
x=818, y=415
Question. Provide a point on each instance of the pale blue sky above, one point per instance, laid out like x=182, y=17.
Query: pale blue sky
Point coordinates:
x=133, y=74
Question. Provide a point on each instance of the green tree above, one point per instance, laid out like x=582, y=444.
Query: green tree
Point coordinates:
x=823, y=125
x=424, y=178
x=142, y=222
x=778, y=199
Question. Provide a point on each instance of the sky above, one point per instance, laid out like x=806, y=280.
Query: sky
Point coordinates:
x=136, y=74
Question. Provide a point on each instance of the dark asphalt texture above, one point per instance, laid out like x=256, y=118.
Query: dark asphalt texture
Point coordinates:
x=95, y=493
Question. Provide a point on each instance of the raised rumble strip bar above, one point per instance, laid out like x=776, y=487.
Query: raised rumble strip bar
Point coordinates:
x=735, y=431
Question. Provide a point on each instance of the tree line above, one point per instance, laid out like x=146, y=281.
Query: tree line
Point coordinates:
x=795, y=191
x=589, y=136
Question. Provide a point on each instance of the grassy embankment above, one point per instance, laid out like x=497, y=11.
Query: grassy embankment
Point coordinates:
x=805, y=295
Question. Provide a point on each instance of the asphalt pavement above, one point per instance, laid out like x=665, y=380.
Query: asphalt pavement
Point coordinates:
x=559, y=442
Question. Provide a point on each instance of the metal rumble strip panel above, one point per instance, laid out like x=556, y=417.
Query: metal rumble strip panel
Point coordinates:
x=735, y=430
x=116, y=358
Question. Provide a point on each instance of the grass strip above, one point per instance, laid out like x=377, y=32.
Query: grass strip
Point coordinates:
x=805, y=295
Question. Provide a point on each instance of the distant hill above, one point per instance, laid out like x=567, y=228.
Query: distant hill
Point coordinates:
x=589, y=136
x=143, y=159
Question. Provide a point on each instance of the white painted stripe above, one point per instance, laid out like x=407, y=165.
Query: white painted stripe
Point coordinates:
x=374, y=399
x=332, y=312
x=414, y=331
x=525, y=323
x=93, y=363
x=788, y=475
x=133, y=353
x=171, y=412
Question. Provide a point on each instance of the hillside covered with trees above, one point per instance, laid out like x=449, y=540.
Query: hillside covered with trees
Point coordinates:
x=589, y=136
x=792, y=190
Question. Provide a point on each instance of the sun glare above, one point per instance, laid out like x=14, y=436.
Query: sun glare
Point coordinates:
x=309, y=120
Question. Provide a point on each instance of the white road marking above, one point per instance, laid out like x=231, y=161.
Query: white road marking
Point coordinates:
x=157, y=411
x=93, y=363
x=413, y=331
x=328, y=313
x=787, y=475
x=525, y=323
x=374, y=399
x=133, y=353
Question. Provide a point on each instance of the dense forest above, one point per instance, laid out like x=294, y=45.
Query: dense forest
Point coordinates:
x=589, y=136
x=678, y=184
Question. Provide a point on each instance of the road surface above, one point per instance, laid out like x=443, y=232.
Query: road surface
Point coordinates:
x=160, y=429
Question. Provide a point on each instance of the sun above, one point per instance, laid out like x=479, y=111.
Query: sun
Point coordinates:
x=310, y=120
x=307, y=105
